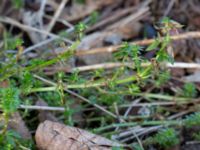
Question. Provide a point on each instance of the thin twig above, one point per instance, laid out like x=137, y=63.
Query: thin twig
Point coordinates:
x=43, y=42
x=111, y=18
x=110, y=49
x=41, y=14
x=169, y=7
x=46, y=108
x=25, y=27
x=131, y=106
x=111, y=65
x=148, y=129
x=65, y=22
x=50, y=108
x=77, y=95
x=56, y=15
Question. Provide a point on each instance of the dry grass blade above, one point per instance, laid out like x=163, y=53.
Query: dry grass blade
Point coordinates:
x=56, y=15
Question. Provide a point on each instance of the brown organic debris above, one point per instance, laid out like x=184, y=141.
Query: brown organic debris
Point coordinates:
x=45, y=115
x=16, y=123
x=78, y=11
x=56, y=136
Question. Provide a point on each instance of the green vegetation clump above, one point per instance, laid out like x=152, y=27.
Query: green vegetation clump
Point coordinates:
x=192, y=120
x=166, y=138
x=106, y=90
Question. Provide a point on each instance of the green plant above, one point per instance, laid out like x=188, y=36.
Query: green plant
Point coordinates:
x=117, y=148
x=137, y=147
x=18, y=3
x=166, y=138
x=166, y=26
x=10, y=42
x=163, y=77
x=9, y=139
x=196, y=136
x=9, y=99
x=27, y=82
x=93, y=18
x=12, y=140
x=106, y=90
x=80, y=1
x=189, y=90
x=79, y=29
x=192, y=120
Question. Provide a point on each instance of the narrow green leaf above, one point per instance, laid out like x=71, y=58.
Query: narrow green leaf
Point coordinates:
x=153, y=45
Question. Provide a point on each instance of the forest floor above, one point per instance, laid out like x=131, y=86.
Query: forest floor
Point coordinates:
x=96, y=74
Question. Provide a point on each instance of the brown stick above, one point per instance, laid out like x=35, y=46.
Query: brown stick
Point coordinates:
x=53, y=70
x=110, y=49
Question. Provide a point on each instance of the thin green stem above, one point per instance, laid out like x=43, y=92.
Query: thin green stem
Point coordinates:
x=85, y=85
x=145, y=123
x=145, y=95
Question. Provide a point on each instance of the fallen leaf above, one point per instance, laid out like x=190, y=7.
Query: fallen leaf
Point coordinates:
x=78, y=11
x=56, y=136
x=93, y=41
x=16, y=123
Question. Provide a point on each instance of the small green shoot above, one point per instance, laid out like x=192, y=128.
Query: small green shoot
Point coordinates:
x=79, y=29
x=18, y=3
x=9, y=99
x=166, y=138
x=153, y=45
x=196, y=136
x=189, y=90
x=192, y=120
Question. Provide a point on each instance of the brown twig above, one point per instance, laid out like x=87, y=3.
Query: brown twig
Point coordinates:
x=110, y=49
x=52, y=70
x=56, y=15
x=111, y=18
x=25, y=28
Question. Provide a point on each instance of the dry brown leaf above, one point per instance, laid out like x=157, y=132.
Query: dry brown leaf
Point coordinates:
x=16, y=123
x=92, y=41
x=56, y=136
x=128, y=30
x=78, y=11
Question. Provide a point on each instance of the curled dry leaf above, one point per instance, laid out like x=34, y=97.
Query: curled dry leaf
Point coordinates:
x=56, y=136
